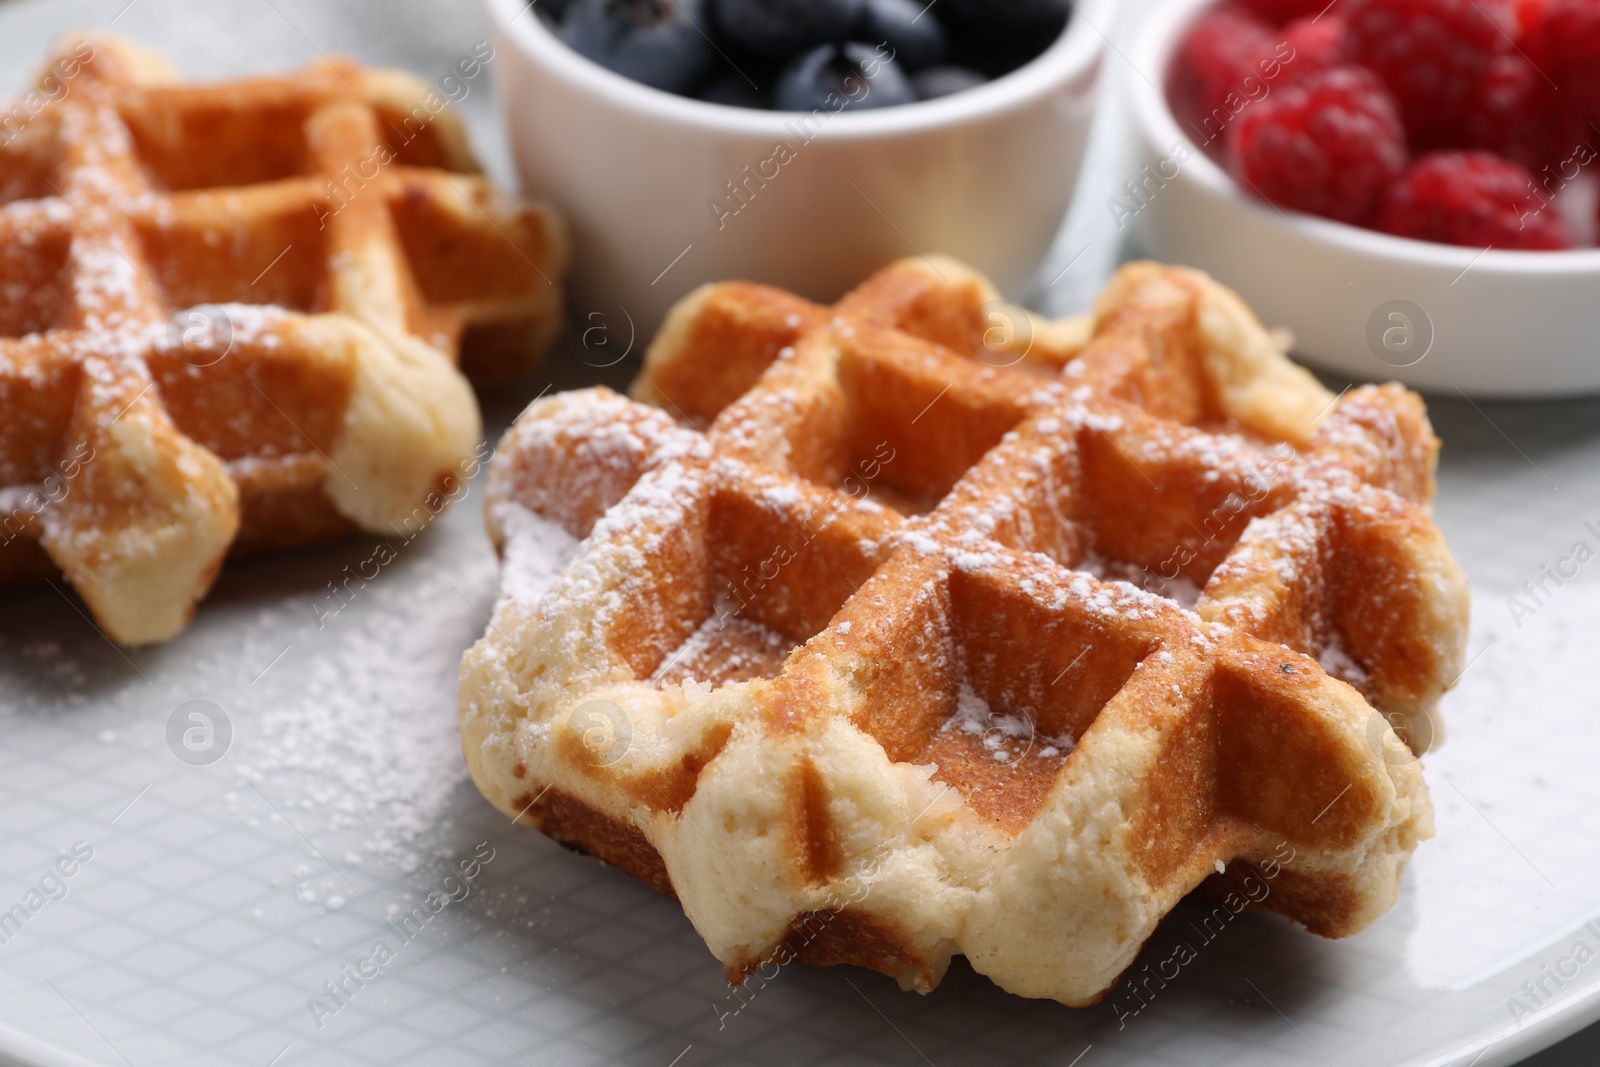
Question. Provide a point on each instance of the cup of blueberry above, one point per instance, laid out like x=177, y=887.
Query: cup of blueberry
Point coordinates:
x=801, y=143
x=799, y=55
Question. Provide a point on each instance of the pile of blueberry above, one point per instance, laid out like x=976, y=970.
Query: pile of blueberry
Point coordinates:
x=801, y=55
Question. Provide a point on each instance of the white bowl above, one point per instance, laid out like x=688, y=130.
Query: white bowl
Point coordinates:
x=984, y=175
x=1372, y=306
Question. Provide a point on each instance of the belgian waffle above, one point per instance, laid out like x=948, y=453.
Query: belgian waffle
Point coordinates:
x=881, y=635
x=229, y=315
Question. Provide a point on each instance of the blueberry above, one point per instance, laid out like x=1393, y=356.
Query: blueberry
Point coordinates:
x=552, y=10
x=732, y=89
x=786, y=27
x=657, y=42
x=1011, y=14
x=995, y=44
x=907, y=27
x=839, y=77
x=942, y=81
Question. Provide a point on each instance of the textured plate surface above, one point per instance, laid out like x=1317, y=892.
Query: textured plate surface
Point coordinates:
x=218, y=899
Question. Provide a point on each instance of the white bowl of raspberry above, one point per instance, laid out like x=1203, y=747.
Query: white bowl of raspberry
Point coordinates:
x=1359, y=184
x=664, y=191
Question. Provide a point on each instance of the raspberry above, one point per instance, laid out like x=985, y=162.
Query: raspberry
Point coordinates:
x=1471, y=198
x=1220, y=66
x=1432, y=54
x=1318, y=44
x=1281, y=12
x=1529, y=13
x=1565, y=45
x=1328, y=144
x=1514, y=113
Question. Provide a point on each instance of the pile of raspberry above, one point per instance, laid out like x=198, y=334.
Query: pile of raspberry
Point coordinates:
x=1467, y=122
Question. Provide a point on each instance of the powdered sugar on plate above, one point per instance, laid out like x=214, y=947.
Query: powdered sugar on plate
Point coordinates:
x=361, y=733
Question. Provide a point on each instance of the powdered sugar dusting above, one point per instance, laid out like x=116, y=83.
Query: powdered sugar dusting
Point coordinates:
x=1007, y=737
x=725, y=648
x=1177, y=588
x=534, y=553
x=1336, y=661
x=359, y=739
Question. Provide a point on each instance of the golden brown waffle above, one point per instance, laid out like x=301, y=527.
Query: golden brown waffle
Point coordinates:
x=229, y=315
x=848, y=674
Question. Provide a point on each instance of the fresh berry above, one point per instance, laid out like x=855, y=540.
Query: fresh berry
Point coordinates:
x=1011, y=15
x=1565, y=45
x=1314, y=44
x=553, y=11
x=1474, y=199
x=785, y=28
x=676, y=44
x=840, y=77
x=1529, y=13
x=905, y=26
x=995, y=37
x=656, y=42
x=1283, y=12
x=942, y=81
x=732, y=89
x=1514, y=113
x=1328, y=144
x=1216, y=72
x=1432, y=54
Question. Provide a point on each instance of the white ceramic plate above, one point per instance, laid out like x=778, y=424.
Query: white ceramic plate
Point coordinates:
x=219, y=899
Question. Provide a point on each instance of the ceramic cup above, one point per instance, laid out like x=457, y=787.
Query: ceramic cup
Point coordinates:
x=1374, y=307
x=663, y=193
